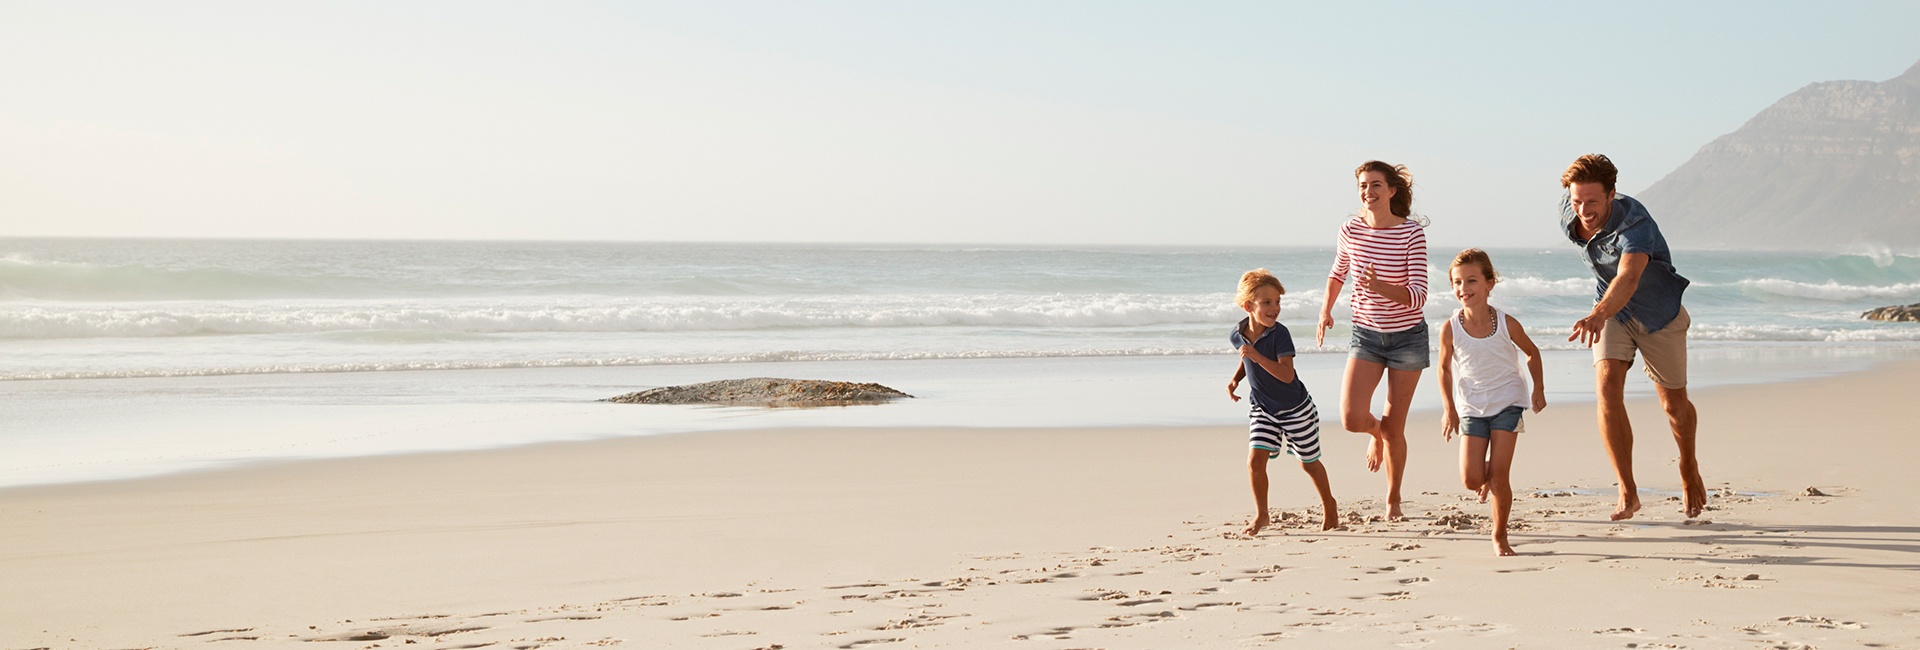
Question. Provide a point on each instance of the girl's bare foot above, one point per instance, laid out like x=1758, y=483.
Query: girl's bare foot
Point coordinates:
x=1259, y=522
x=1376, y=451
x=1500, y=541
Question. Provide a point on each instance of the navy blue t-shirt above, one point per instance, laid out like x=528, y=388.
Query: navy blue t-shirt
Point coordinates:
x=1267, y=391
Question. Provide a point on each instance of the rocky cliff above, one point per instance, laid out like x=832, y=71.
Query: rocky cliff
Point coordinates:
x=1834, y=165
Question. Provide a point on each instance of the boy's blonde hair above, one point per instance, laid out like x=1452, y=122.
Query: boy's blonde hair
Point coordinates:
x=1476, y=256
x=1251, y=281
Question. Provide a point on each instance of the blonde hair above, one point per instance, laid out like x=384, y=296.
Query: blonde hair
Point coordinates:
x=1251, y=281
x=1475, y=256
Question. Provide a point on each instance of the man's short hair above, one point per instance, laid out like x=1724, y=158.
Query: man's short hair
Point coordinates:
x=1591, y=168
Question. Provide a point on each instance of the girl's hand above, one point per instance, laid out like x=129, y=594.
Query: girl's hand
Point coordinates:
x=1320, y=333
x=1233, y=386
x=1449, y=425
x=1539, y=400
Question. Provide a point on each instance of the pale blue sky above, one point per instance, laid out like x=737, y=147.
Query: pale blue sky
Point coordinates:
x=1017, y=122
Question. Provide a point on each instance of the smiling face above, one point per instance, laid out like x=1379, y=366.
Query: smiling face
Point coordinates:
x=1470, y=284
x=1374, y=191
x=1592, y=203
x=1264, y=306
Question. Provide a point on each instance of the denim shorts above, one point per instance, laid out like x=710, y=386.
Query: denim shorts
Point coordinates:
x=1508, y=419
x=1402, y=350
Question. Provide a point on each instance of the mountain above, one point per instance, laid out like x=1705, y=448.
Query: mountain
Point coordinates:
x=1834, y=165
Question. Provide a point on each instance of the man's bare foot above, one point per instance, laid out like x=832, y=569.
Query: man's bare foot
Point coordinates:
x=1259, y=522
x=1629, y=504
x=1696, y=497
x=1393, y=512
x=1500, y=542
x=1376, y=451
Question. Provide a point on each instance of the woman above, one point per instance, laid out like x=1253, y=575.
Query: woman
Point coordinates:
x=1385, y=249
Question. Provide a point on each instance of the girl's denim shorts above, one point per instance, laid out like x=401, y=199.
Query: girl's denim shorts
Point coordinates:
x=1402, y=350
x=1508, y=419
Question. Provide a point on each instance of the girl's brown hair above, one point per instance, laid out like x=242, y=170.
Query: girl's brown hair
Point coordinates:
x=1476, y=256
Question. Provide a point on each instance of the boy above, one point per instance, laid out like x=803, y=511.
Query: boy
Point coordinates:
x=1283, y=416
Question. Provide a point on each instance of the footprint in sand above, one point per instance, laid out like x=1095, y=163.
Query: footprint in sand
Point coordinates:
x=1408, y=581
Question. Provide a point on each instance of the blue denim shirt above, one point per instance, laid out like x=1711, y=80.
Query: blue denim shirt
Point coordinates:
x=1629, y=229
x=1267, y=391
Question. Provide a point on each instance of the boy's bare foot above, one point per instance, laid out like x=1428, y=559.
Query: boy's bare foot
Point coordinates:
x=1500, y=542
x=1629, y=504
x=1376, y=451
x=1259, y=522
x=1393, y=512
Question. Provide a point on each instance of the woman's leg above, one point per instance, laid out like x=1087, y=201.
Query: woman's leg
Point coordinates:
x=1356, y=406
x=1393, y=424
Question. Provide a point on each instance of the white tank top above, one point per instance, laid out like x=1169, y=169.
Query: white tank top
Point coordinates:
x=1486, y=372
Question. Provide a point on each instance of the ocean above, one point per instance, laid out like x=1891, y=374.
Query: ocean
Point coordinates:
x=130, y=358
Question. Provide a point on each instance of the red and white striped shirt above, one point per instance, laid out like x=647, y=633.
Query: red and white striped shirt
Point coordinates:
x=1398, y=256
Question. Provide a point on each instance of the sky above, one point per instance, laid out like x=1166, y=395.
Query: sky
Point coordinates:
x=1048, y=123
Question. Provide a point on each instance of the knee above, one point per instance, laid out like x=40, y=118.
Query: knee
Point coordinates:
x=1357, y=421
x=1472, y=483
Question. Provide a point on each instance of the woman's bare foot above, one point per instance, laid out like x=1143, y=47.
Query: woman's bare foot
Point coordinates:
x=1629, y=504
x=1376, y=451
x=1500, y=542
x=1484, y=489
x=1259, y=522
x=1393, y=512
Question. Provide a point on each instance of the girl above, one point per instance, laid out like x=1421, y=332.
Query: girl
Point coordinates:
x=1387, y=252
x=1480, y=383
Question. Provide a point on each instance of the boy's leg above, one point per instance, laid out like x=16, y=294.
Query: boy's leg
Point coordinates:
x=1499, y=472
x=1400, y=387
x=1257, y=473
x=1330, y=510
x=1356, y=406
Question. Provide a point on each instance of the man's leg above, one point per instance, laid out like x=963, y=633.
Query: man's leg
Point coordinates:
x=1685, y=422
x=1610, y=382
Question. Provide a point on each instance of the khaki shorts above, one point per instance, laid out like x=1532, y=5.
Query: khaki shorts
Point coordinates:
x=1665, y=350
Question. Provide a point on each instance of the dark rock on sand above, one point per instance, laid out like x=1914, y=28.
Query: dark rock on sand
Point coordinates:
x=765, y=391
x=1896, y=313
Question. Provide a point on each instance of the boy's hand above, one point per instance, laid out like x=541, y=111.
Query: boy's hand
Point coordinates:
x=1248, y=351
x=1449, y=425
x=1539, y=400
x=1320, y=335
x=1233, y=385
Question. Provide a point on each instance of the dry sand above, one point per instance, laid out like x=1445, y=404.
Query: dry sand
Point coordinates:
x=1049, y=538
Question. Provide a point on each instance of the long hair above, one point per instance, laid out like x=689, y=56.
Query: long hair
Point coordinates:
x=1399, y=179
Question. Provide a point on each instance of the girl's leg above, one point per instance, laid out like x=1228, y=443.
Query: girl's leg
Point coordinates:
x=1473, y=464
x=1499, y=469
x=1257, y=473
x=1393, y=424
x=1356, y=407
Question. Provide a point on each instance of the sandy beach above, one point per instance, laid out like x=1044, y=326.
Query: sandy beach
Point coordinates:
x=958, y=537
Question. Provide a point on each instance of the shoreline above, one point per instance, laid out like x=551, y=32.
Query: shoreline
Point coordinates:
x=88, y=431
x=829, y=536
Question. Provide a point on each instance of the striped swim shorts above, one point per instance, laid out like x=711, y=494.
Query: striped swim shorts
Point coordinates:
x=1296, y=432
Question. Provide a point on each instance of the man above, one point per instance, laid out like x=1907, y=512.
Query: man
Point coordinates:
x=1637, y=310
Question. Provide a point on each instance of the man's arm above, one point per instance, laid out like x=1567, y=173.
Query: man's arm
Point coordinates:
x=1625, y=282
